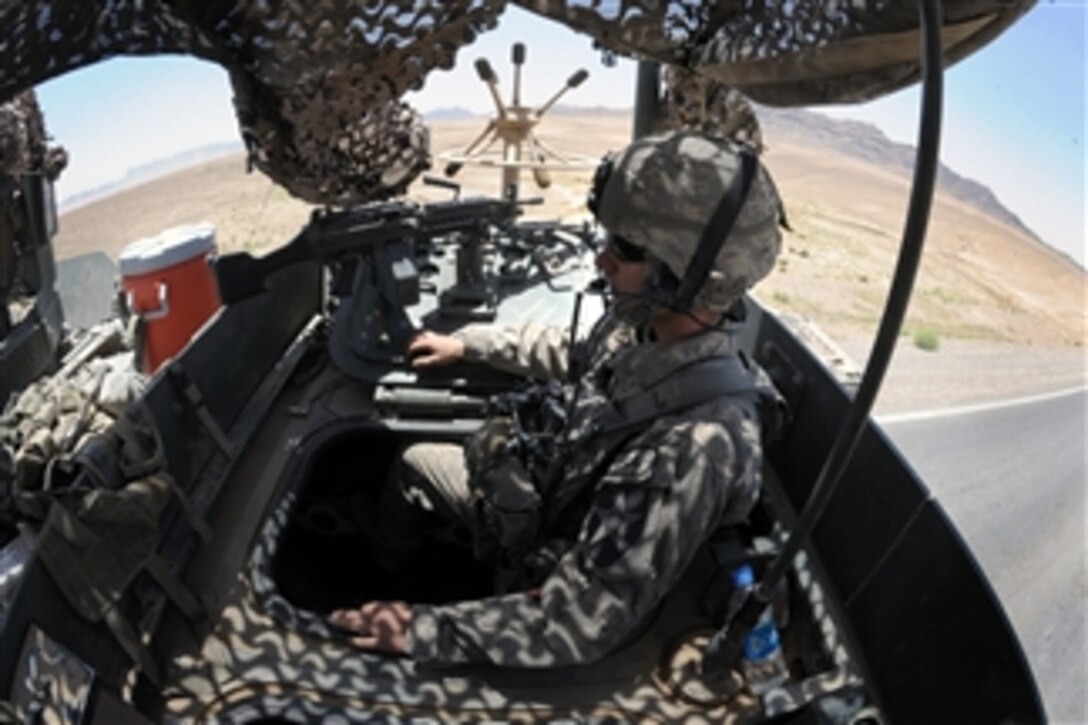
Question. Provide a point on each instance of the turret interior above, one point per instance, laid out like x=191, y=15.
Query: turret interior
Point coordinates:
x=323, y=557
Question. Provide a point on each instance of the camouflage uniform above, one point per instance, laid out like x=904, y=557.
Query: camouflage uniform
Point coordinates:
x=631, y=518
x=627, y=510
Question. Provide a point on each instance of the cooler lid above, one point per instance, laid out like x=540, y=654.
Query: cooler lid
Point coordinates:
x=167, y=248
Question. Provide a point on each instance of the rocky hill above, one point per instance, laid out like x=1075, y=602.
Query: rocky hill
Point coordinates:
x=150, y=171
x=868, y=143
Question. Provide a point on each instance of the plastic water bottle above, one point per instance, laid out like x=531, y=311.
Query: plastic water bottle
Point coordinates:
x=763, y=664
x=13, y=558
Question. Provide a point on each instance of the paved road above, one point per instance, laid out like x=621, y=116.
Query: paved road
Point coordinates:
x=1012, y=477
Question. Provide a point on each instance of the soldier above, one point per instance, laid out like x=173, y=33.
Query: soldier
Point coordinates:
x=607, y=497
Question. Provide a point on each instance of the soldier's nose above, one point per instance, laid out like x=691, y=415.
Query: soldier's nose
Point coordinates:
x=606, y=261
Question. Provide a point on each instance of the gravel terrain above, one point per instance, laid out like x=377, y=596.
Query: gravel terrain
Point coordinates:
x=1009, y=313
x=969, y=372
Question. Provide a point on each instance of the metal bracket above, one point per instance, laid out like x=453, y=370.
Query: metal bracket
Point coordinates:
x=195, y=399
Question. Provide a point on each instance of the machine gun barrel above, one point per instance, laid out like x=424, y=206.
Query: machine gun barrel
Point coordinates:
x=333, y=234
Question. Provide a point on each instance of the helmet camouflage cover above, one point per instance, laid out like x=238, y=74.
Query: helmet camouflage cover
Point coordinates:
x=661, y=194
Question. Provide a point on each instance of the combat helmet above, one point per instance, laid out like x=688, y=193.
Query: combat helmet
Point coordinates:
x=703, y=207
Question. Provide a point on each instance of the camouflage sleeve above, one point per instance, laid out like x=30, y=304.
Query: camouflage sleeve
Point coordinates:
x=654, y=507
x=530, y=349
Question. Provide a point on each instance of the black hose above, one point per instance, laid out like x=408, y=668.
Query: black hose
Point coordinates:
x=726, y=647
x=647, y=99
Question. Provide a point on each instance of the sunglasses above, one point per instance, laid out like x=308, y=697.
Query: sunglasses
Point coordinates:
x=625, y=251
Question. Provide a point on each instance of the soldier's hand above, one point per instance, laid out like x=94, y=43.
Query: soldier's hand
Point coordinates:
x=429, y=349
x=380, y=626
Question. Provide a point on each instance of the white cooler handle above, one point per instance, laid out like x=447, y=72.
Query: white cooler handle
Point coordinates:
x=151, y=315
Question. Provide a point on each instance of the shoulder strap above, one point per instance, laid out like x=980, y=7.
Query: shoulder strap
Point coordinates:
x=716, y=232
x=697, y=383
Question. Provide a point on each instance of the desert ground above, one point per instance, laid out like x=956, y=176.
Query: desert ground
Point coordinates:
x=1007, y=313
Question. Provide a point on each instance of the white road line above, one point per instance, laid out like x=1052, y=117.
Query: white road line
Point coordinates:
x=979, y=408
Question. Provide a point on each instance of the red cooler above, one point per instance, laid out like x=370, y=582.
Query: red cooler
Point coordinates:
x=168, y=283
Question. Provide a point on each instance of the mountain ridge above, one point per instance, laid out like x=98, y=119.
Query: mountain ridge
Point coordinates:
x=149, y=171
x=866, y=142
x=855, y=139
x=981, y=279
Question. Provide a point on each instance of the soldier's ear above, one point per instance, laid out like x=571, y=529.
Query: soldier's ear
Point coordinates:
x=666, y=280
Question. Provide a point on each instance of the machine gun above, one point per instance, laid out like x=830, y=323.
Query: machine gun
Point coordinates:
x=331, y=235
x=376, y=248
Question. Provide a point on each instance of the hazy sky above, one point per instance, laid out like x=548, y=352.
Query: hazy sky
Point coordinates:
x=1014, y=111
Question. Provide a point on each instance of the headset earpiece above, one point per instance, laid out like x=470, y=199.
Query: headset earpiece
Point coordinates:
x=600, y=182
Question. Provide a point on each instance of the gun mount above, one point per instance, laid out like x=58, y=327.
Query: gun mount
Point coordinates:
x=400, y=266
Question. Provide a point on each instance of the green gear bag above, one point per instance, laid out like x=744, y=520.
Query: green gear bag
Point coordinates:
x=99, y=510
x=94, y=545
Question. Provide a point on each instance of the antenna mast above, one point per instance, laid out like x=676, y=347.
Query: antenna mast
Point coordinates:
x=512, y=128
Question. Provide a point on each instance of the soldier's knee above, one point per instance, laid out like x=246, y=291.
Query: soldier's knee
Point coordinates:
x=433, y=462
x=418, y=458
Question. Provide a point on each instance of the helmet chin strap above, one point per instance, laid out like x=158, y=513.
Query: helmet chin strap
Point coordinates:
x=714, y=235
x=636, y=308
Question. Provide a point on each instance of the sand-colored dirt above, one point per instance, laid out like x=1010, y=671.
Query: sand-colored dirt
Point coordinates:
x=982, y=286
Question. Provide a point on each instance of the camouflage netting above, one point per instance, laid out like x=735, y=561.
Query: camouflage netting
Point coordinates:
x=785, y=52
x=24, y=146
x=24, y=149
x=321, y=82
x=697, y=103
x=317, y=83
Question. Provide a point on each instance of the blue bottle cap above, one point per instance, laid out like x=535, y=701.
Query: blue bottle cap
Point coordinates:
x=743, y=576
x=762, y=642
